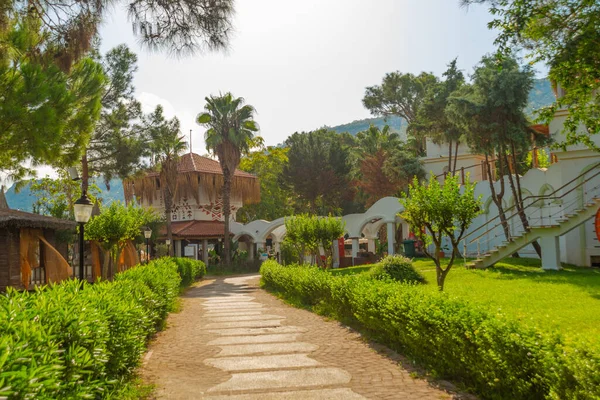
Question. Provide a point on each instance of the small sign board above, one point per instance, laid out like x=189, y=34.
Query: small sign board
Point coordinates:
x=189, y=251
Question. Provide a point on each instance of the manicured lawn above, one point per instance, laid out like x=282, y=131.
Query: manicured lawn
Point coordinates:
x=567, y=301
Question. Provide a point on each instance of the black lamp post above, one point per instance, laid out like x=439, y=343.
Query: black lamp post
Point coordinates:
x=147, y=235
x=83, y=211
x=168, y=243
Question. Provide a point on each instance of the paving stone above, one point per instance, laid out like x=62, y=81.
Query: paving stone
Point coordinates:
x=233, y=313
x=243, y=324
x=256, y=317
x=277, y=338
x=232, y=304
x=225, y=300
x=319, y=394
x=257, y=331
x=194, y=360
x=284, y=379
x=262, y=348
x=261, y=362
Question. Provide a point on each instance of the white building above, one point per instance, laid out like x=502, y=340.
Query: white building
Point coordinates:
x=560, y=203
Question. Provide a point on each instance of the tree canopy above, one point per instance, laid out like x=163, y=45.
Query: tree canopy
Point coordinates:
x=434, y=212
x=118, y=143
x=45, y=114
x=178, y=27
x=275, y=199
x=231, y=127
x=318, y=171
x=564, y=35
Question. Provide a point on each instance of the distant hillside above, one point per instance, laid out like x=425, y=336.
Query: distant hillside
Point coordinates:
x=24, y=199
x=540, y=96
x=397, y=124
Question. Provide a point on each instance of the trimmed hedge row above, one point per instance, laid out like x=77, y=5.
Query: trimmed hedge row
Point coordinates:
x=189, y=270
x=71, y=341
x=487, y=353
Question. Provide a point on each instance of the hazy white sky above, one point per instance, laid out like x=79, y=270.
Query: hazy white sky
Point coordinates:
x=305, y=64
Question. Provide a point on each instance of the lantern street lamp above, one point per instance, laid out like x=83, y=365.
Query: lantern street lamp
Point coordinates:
x=83, y=211
x=147, y=235
x=168, y=243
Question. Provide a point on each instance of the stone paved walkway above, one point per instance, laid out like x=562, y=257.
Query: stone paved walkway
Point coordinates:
x=234, y=341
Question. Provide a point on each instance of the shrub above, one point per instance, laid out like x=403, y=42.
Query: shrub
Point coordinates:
x=72, y=341
x=489, y=353
x=397, y=268
x=189, y=269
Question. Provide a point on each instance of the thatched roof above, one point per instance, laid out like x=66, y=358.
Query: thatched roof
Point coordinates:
x=194, y=171
x=3, y=202
x=22, y=219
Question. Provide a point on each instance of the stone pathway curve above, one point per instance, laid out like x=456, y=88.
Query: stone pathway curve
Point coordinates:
x=234, y=341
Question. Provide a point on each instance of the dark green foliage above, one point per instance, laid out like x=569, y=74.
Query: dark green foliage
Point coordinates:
x=162, y=277
x=318, y=172
x=488, y=353
x=189, y=270
x=397, y=268
x=67, y=341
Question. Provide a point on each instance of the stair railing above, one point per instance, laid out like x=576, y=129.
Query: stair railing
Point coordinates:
x=529, y=207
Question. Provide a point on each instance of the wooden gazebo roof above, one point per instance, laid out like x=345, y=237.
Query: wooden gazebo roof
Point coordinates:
x=193, y=172
x=21, y=219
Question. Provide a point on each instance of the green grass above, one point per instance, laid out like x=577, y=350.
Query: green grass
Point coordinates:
x=566, y=301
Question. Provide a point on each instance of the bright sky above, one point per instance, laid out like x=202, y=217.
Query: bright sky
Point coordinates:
x=305, y=64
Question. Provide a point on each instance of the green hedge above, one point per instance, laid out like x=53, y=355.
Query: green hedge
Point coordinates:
x=189, y=270
x=63, y=342
x=488, y=353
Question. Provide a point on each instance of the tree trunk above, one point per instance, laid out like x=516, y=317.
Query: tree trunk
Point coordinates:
x=168, y=215
x=106, y=264
x=450, y=157
x=519, y=205
x=497, y=196
x=455, y=156
x=226, y=213
x=85, y=173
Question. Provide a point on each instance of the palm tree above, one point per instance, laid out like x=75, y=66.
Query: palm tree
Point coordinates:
x=166, y=147
x=230, y=133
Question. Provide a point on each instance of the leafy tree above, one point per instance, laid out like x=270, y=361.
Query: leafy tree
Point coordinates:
x=117, y=144
x=166, y=147
x=432, y=121
x=178, y=26
x=443, y=211
x=400, y=95
x=230, y=134
x=56, y=197
x=565, y=35
x=114, y=227
x=384, y=166
x=46, y=114
x=491, y=111
x=318, y=171
x=268, y=166
x=309, y=233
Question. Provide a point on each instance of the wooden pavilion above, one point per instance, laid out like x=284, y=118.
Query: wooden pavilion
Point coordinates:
x=30, y=250
x=197, y=216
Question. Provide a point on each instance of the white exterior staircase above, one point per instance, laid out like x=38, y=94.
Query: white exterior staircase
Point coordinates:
x=547, y=234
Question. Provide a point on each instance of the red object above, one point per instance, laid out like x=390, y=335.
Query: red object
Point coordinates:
x=341, y=251
x=597, y=224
